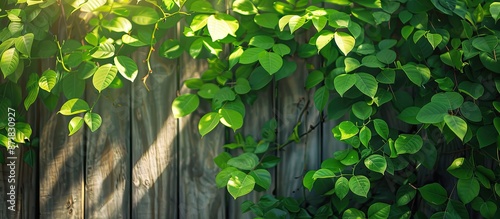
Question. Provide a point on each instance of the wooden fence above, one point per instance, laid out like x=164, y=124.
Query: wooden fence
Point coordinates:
x=143, y=163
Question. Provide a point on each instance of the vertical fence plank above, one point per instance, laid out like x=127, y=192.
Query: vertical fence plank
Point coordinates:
x=295, y=102
x=198, y=195
x=154, y=151
x=61, y=168
x=107, y=182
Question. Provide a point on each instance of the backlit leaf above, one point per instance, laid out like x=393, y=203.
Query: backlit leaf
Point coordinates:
x=93, y=121
x=127, y=67
x=103, y=77
x=240, y=184
x=457, y=125
x=184, y=105
x=74, y=106
x=9, y=61
x=75, y=124
x=344, y=41
x=208, y=122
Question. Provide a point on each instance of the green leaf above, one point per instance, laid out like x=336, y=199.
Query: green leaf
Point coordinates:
x=486, y=135
x=387, y=76
x=406, y=31
x=381, y=128
x=281, y=49
x=231, y=118
x=409, y=115
x=405, y=195
x=261, y=41
x=434, y=39
x=379, y=210
x=488, y=209
x=240, y=184
x=208, y=122
x=452, y=100
x=386, y=56
x=93, y=121
x=171, y=49
x=314, y=78
x=104, y=50
x=495, y=10
x=201, y=6
x=362, y=110
x=376, y=163
x=144, y=16
x=242, y=86
x=321, y=97
x=365, y=135
x=23, y=132
x=184, y=105
x=345, y=130
x=262, y=178
x=418, y=74
x=73, y=86
x=48, y=80
x=344, y=82
x=103, y=77
x=74, y=106
x=341, y=187
x=408, y=143
x=223, y=176
x=127, y=67
x=353, y=213
x=270, y=61
x=351, y=64
x=267, y=20
x=344, y=41
x=351, y=157
x=324, y=38
x=221, y=25
x=75, y=124
x=9, y=61
x=295, y=22
x=434, y=193
x=457, y=125
x=245, y=161
x=461, y=168
x=208, y=90
x=433, y=112
x=308, y=180
x=359, y=185
x=222, y=95
x=467, y=189
x=259, y=78
x=474, y=90
x=251, y=55
x=33, y=88
x=117, y=24
x=24, y=43
x=366, y=83
x=244, y=7
x=323, y=174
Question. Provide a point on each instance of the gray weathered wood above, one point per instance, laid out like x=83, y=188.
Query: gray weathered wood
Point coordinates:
x=107, y=173
x=296, y=158
x=154, y=142
x=198, y=195
x=61, y=168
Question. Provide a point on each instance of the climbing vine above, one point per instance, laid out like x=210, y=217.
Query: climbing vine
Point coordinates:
x=431, y=64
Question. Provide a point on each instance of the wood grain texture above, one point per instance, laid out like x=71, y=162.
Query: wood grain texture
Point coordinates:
x=198, y=195
x=61, y=168
x=296, y=158
x=154, y=143
x=107, y=164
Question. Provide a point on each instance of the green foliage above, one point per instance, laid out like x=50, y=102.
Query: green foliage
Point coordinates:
x=430, y=65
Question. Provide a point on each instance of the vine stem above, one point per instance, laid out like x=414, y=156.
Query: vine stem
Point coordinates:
x=151, y=42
